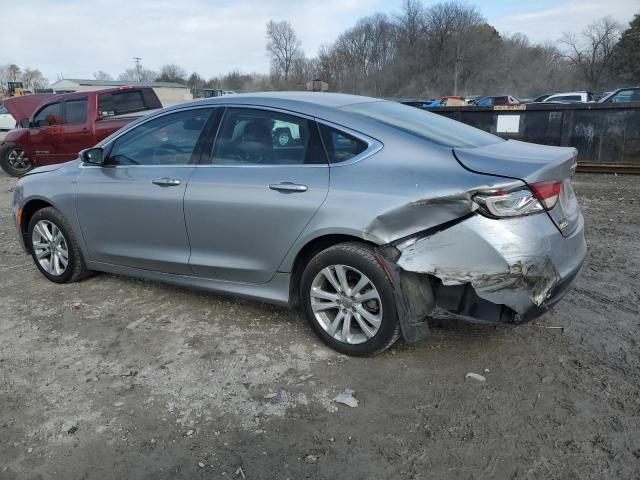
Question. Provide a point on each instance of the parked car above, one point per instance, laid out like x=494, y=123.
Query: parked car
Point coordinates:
x=572, y=97
x=497, y=100
x=7, y=122
x=54, y=128
x=541, y=98
x=629, y=94
x=383, y=216
x=419, y=103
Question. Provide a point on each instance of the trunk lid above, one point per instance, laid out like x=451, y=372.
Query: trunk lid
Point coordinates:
x=530, y=163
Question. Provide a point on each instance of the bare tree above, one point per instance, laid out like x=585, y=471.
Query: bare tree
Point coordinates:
x=33, y=79
x=102, y=75
x=133, y=75
x=13, y=73
x=172, y=73
x=592, y=52
x=283, y=47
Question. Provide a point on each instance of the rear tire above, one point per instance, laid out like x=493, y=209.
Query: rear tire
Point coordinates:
x=13, y=160
x=347, y=280
x=54, y=247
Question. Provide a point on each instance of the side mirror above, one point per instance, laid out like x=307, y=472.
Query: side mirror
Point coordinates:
x=24, y=123
x=92, y=156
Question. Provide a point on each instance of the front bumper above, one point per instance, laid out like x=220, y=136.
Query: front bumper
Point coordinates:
x=523, y=264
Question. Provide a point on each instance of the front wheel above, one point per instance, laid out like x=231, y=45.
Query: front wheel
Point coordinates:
x=348, y=300
x=13, y=160
x=54, y=247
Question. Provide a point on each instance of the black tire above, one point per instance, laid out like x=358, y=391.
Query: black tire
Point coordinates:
x=76, y=268
x=8, y=164
x=361, y=257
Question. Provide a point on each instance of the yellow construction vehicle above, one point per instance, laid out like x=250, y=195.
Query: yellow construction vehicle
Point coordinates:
x=13, y=89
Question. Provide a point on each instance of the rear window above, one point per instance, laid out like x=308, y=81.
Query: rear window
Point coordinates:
x=128, y=101
x=626, y=96
x=429, y=126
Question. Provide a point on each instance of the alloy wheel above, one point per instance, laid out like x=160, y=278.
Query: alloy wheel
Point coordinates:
x=346, y=304
x=50, y=248
x=17, y=160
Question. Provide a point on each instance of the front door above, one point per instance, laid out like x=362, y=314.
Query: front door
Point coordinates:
x=44, y=134
x=131, y=209
x=245, y=210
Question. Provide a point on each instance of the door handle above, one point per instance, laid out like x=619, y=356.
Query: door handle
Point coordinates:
x=288, y=187
x=166, y=182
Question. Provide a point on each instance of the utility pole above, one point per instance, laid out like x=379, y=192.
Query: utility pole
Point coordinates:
x=138, y=61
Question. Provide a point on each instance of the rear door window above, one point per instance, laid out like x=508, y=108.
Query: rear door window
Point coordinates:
x=49, y=115
x=341, y=146
x=250, y=136
x=76, y=111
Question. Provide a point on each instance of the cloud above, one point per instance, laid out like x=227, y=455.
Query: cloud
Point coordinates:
x=548, y=24
x=75, y=38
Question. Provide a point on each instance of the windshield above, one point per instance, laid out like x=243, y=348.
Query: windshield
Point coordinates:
x=430, y=126
x=3, y=111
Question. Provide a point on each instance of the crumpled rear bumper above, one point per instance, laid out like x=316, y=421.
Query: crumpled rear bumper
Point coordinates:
x=522, y=263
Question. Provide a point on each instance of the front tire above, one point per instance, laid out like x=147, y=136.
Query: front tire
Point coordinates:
x=348, y=300
x=13, y=160
x=54, y=247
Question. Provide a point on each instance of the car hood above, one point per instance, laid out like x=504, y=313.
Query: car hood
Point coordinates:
x=23, y=107
x=45, y=169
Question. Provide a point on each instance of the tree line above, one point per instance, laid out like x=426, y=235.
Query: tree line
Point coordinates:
x=451, y=49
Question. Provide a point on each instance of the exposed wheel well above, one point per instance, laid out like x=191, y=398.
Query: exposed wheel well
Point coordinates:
x=27, y=212
x=307, y=253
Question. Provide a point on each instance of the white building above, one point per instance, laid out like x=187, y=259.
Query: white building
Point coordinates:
x=168, y=93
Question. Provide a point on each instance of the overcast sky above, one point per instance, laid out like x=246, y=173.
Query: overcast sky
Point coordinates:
x=75, y=38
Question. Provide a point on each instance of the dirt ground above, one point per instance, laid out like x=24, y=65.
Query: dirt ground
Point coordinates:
x=119, y=378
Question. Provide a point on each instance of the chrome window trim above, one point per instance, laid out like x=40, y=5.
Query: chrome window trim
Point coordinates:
x=374, y=146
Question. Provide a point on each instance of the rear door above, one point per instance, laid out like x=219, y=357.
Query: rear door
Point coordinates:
x=131, y=209
x=247, y=207
x=76, y=128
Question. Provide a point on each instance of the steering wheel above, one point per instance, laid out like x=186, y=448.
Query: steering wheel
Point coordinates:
x=169, y=149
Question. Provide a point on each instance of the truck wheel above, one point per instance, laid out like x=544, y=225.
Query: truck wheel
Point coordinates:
x=13, y=160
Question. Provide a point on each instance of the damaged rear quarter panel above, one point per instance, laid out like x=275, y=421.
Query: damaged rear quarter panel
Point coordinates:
x=514, y=262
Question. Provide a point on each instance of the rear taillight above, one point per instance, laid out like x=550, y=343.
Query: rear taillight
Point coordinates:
x=508, y=204
x=547, y=192
x=524, y=201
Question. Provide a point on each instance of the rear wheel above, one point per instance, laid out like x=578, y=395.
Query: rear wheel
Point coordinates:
x=348, y=300
x=13, y=160
x=54, y=247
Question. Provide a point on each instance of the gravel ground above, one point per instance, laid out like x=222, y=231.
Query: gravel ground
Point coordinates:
x=119, y=378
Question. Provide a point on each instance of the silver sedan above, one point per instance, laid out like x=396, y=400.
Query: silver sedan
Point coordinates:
x=371, y=216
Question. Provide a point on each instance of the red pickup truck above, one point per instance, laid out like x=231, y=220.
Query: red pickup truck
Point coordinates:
x=54, y=128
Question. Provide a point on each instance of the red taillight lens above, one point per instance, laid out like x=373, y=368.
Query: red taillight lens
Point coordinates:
x=547, y=192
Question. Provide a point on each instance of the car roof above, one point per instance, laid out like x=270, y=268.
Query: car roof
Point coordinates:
x=302, y=102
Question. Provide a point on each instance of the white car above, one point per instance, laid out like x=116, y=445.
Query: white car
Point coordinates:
x=7, y=122
x=583, y=97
